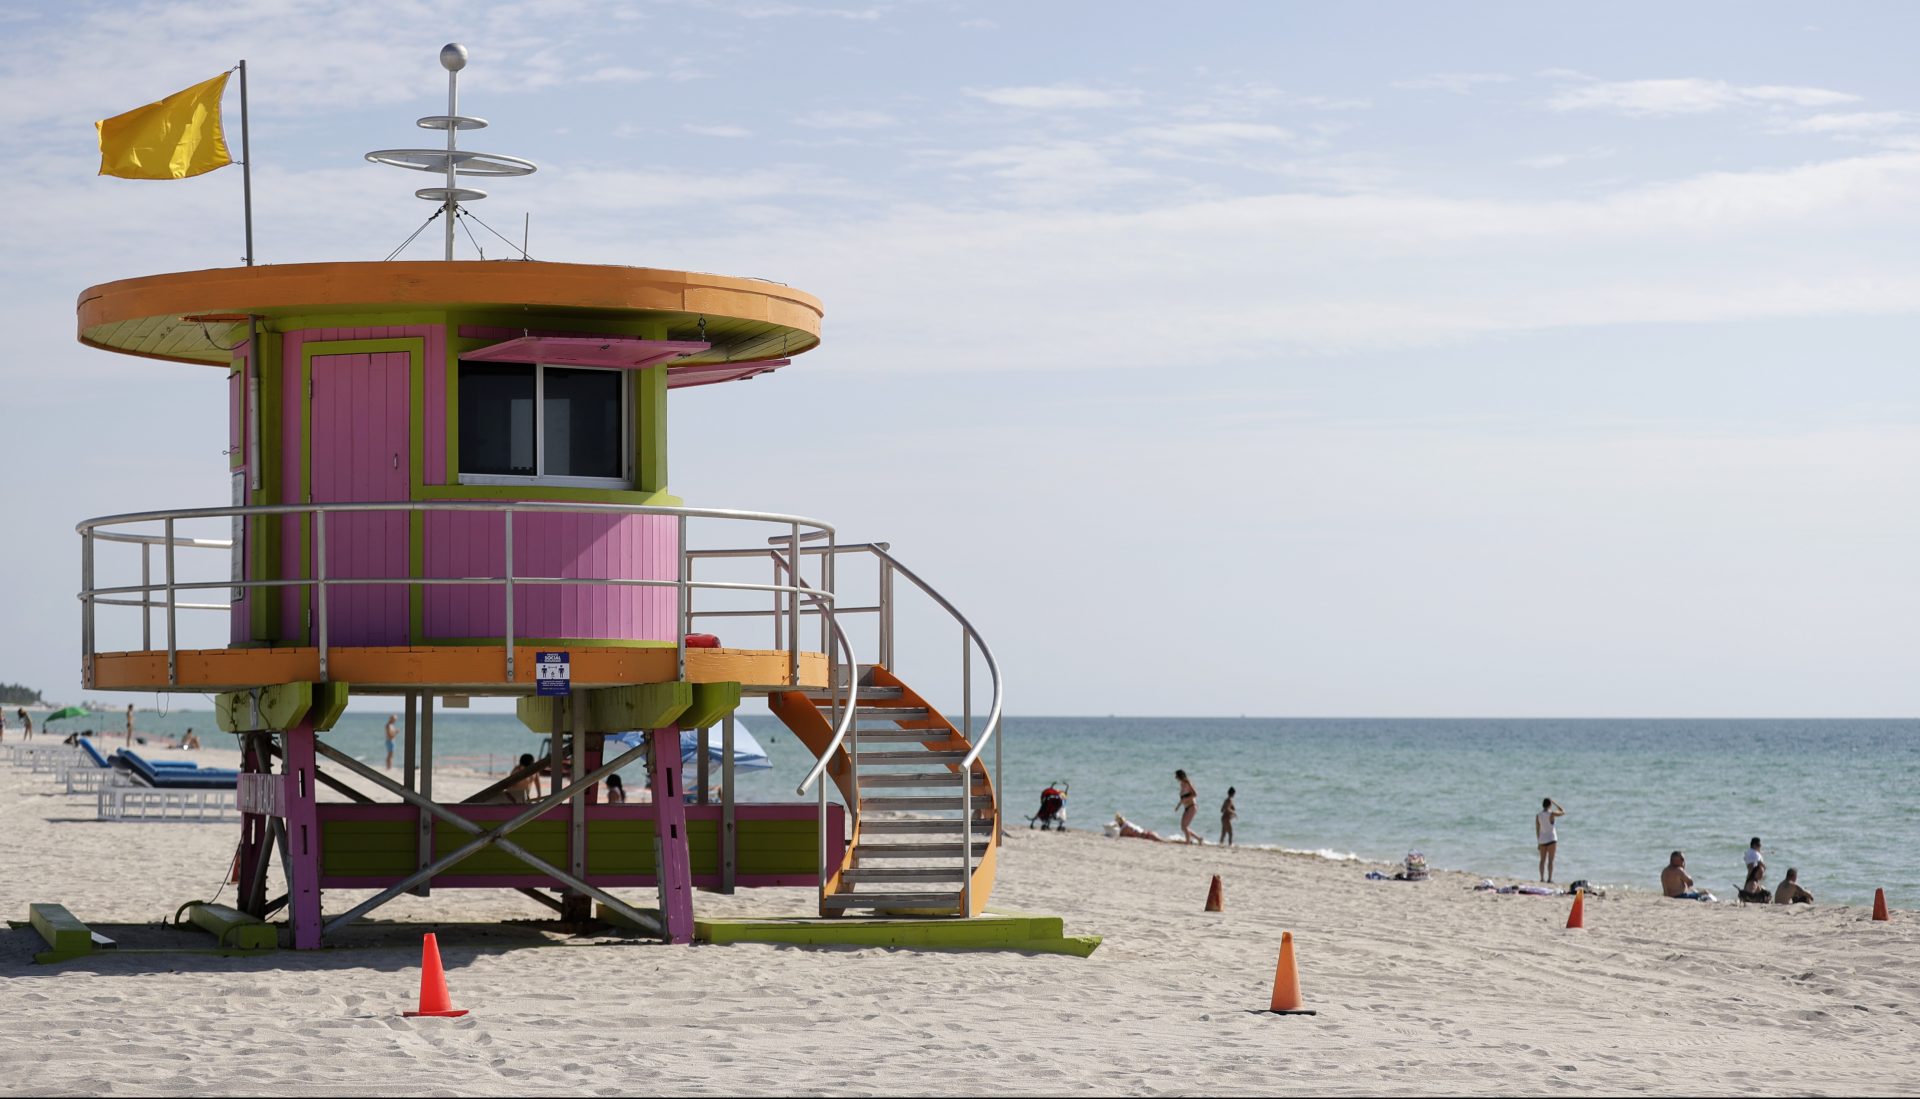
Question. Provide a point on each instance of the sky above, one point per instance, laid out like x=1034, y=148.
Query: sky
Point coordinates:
x=1485, y=359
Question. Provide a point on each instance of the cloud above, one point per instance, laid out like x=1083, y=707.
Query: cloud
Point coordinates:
x=786, y=11
x=1858, y=122
x=846, y=120
x=1213, y=133
x=1457, y=83
x=1687, y=96
x=1561, y=160
x=1053, y=97
x=717, y=131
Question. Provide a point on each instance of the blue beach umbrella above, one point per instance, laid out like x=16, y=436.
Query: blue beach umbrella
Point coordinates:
x=748, y=755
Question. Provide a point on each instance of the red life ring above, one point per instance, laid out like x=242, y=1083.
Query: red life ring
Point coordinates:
x=702, y=641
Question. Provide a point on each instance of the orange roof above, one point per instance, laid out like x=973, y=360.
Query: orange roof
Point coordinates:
x=175, y=316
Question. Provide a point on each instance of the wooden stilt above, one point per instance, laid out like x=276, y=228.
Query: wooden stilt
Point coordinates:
x=672, y=862
x=728, y=838
x=253, y=832
x=423, y=843
x=303, y=837
x=576, y=905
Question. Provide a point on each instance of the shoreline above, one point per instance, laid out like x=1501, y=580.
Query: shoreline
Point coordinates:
x=1422, y=987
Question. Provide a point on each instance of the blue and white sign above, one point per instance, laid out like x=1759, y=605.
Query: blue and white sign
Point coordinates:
x=552, y=673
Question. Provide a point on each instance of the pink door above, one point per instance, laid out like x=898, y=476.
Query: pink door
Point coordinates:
x=360, y=454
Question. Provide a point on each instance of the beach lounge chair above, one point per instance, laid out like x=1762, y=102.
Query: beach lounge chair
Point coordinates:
x=167, y=775
x=89, y=770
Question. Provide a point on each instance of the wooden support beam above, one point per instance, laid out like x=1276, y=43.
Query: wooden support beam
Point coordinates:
x=672, y=862
x=303, y=837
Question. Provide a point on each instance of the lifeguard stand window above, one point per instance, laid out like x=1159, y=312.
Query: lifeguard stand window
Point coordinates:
x=558, y=425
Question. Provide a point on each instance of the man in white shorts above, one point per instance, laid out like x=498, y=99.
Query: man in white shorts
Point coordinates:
x=1546, y=835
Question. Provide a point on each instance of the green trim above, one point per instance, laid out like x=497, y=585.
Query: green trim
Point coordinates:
x=237, y=457
x=650, y=429
x=1030, y=934
x=547, y=493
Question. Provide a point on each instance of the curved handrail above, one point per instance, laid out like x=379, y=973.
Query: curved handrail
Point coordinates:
x=993, y=666
x=846, y=717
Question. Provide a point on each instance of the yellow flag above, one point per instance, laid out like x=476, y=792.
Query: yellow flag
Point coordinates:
x=172, y=139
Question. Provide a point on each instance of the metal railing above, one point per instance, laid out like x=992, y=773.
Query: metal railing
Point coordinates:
x=112, y=529
x=887, y=566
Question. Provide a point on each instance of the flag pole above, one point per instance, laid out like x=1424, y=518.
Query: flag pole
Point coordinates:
x=246, y=163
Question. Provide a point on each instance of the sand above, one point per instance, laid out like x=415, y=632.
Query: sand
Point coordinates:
x=1427, y=988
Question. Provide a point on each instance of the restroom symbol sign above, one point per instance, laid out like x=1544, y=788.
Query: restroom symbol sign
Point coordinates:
x=552, y=673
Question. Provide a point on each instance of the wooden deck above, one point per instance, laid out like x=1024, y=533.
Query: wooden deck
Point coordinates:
x=468, y=669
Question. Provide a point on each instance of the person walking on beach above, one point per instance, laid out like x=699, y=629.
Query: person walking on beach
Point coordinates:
x=1189, y=806
x=1546, y=835
x=390, y=735
x=129, y=724
x=26, y=723
x=1227, y=813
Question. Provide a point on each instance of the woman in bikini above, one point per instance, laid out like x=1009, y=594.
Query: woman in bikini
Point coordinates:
x=1188, y=807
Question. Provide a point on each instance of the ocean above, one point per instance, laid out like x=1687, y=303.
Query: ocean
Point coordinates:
x=1839, y=799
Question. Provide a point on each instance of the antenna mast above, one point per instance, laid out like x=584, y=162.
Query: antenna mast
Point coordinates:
x=453, y=161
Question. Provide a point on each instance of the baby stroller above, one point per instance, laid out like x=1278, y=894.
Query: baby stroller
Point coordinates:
x=1053, y=809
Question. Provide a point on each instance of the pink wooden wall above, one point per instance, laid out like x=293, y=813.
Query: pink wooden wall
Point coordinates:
x=639, y=547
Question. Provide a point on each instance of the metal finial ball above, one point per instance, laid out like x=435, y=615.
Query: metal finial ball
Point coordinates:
x=453, y=57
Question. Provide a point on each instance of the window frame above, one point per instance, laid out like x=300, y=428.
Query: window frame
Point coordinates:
x=624, y=482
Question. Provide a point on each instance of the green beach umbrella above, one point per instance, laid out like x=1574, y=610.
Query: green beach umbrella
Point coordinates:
x=70, y=711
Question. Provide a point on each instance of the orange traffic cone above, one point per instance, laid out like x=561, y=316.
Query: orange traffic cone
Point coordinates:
x=434, y=1001
x=1577, y=919
x=1216, y=900
x=1286, y=982
x=1880, y=904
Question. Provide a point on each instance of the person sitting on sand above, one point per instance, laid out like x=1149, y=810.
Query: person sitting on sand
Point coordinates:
x=1675, y=882
x=190, y=741
x=1790, y=891
x=1227, y=813
x=1131, y=831
x=1188, y=807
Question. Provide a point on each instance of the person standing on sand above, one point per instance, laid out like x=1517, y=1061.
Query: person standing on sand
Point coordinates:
x=1227, y=813
x=129, y=724
x=1546, y=835
x=390, y=735
x=3, y=726
x=26, y=723
x=1188, y=807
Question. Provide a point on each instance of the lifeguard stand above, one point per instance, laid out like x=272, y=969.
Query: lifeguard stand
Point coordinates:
x=446, y=472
